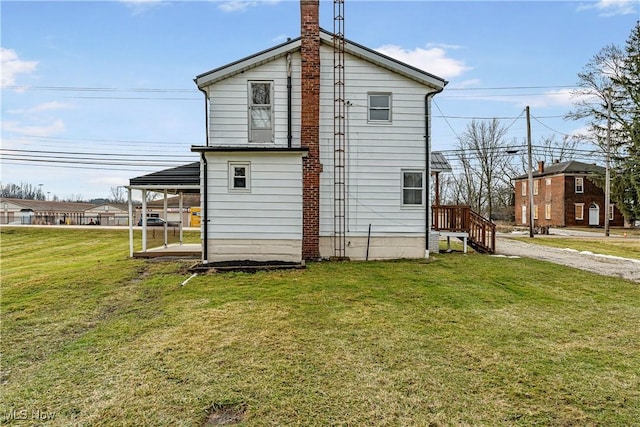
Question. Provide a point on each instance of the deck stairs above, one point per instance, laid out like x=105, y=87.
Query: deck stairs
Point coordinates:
x=462, y=222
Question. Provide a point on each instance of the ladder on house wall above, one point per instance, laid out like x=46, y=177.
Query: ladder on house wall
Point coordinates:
x=339, y=134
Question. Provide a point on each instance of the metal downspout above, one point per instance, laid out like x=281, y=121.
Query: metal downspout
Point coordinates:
x=289, y=126
x=205, y=198
x=427, y=166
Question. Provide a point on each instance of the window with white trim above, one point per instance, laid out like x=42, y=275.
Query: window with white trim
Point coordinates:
x=535, y=211
x=260, y=111
x=536, y=185
x=580, y=211
x=547, y=181
x=412, y=188
x=524, y=188
x=379, y=107
x=239, y=176
x=523, y=212
x=579, y=185
x=611, y=207
x=547, y=211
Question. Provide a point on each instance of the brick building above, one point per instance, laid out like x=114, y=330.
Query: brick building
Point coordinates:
x=564, y=195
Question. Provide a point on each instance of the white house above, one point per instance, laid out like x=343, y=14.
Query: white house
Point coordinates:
x=293, y=169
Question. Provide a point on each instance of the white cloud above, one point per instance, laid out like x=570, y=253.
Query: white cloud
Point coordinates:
x=109, y=179
x=553, y=98
x=46, y=130
x=465, y=84
x=444, y=46
x=433, y=60
x=612, y=7
x=280, y=38
x=140, y=6
x=47, y=106
x=242, y=5
x=12, y=66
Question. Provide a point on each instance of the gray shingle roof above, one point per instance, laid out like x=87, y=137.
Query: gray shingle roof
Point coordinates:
x=172, y=179
x=439, y=163
x=571, y=167
x=49, y=206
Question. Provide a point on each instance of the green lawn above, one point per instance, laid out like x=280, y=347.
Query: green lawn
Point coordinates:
x=90, y=337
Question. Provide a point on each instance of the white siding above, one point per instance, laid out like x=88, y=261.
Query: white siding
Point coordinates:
x=271, y=210
x=228, y=106
x=376, y=153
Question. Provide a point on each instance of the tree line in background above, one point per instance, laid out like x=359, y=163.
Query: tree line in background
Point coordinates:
x=28, y=191
x=608, y=95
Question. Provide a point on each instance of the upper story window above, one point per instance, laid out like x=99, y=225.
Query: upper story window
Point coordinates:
x=379, y=107
x=524, y=188
x=412, y=188
x=536, y=185
x=579, y=185
x=260, y=111
x=239, y=176
x=547, y=181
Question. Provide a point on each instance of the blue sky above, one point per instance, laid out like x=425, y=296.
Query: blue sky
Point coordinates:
x=97, y=92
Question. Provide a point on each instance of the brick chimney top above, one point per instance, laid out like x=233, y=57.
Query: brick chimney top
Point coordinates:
x=541, y=166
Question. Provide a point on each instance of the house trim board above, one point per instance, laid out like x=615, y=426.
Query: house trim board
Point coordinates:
x=370, y=55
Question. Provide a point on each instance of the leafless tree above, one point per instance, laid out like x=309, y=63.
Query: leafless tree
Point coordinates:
x=484, y=160
x=117, y=195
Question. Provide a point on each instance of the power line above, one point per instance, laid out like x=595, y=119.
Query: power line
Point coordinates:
x=127, y=141
x=100, y=89
x=84, y=161
x=53, y=165
x=514, y=87
x=99, y=154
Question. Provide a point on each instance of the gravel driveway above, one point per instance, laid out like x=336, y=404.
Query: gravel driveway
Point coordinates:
x=601, y=264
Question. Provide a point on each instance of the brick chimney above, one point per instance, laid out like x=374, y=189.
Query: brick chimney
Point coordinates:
x=309, y=129
x=541, y=166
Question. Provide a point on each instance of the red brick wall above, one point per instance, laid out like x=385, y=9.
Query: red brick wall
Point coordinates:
x=309, y=130
x=563, y=198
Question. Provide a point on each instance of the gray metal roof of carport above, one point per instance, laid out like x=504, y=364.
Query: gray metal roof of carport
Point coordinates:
x=179, y=180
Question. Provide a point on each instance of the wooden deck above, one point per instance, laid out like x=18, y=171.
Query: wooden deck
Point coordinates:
x=176, y=250
x=462, y=219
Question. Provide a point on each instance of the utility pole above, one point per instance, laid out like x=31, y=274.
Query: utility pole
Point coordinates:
x=607, y=185
x=530, y=176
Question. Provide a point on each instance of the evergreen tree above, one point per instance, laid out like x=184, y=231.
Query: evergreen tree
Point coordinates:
x=608, y=95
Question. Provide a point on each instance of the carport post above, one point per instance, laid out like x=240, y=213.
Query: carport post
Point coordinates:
x=144, y=220
x=180, y=207
x=166, y=224
x=130, y=222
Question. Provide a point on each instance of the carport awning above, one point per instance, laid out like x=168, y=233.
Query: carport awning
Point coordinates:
x=185, y=179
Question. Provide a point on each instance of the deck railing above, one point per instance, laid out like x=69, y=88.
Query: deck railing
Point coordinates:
x=461, y=218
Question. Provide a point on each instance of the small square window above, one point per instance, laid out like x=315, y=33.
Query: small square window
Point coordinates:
x=379, y=107
x=579, y=185
x=239, y=176
x=412, y=188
